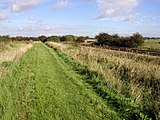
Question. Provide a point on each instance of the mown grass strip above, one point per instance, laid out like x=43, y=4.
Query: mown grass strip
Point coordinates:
x=43, y=86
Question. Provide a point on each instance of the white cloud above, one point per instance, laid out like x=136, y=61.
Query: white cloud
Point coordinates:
x=130, y=18
x=109, y=8
x=61, y=4
x=3, y=16
x=21, y=5
x=31, y=19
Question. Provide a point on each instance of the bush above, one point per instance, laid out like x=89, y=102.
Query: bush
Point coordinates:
x=136, y=40
x=81, y=39
x=68, y=38
x=114, y=40
x=54, y=39
x=42, y=38
x=5, y=38
x=103, y=38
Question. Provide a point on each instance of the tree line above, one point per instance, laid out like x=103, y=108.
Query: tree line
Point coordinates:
x=43, y=38
x=103, y=39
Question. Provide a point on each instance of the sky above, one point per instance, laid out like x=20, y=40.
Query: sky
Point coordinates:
x=79, y=17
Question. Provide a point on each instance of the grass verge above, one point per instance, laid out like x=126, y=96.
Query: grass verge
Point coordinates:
x=43, y=86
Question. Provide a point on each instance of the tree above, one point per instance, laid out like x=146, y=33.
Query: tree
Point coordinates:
x=114, y=40
x=68, y=38
x=136, y=40
x=5, y=38
x=103, y=38
x=42, y=38
x=54, y=39
x=81, y=39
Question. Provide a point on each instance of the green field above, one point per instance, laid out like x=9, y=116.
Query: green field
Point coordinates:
x=46, y=84
x=151, y=45
x=42, y=86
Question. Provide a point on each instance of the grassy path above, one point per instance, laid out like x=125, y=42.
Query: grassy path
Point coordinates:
x=43, y=87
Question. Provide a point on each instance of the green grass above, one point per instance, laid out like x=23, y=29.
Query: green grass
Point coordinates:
x=133, y=75
x=151, y=45
x=42, y=86
x=126, y=107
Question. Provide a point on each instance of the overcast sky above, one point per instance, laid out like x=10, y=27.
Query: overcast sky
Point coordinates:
x=79, y=17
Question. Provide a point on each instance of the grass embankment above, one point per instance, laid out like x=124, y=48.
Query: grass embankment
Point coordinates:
x=11, y=52
x=42, y=86
x=133, y=75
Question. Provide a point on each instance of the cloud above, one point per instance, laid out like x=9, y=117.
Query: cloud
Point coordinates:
x=130, y=18
x=61, y=4
x=21, y=5
x=31, y=19
x=3, y=16
x=110, y=8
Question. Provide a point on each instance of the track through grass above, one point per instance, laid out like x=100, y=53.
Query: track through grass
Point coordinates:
x=43, y=87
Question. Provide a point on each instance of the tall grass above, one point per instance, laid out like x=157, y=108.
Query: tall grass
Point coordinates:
x=133, y=75
x=12, y=51
x=9, y=52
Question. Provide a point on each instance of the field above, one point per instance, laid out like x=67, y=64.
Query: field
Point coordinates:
x=67, y=82
x=151, y=45
x=133, y=75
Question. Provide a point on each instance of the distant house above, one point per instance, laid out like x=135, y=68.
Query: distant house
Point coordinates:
x=90, y=40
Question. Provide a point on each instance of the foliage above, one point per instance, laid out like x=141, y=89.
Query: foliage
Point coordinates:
x=114, y=40
x=81, y=39
x=5, y=38
x=42, y=38
x=133, y=75
x=54, y=39
x=103, y=38
x=70, y=38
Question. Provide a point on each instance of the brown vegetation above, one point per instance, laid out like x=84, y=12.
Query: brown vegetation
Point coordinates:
x=134, y=75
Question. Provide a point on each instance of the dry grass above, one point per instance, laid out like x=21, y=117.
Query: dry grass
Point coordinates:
x=12, y=54
x=9, y=54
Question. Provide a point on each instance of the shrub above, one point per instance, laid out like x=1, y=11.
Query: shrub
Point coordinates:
x=4, y=38
x=54, y=38
x=68, y=38
x=103, y=38
x=42, y=38
x=114, y=40
x=136, y=40
x=81, y=39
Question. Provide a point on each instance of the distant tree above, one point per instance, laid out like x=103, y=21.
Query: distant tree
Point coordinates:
x=19, y=38
x=68, y=38
x=5, y=38
x=103, y=38
x=34, y=38
x=136, y=40
x=87, y=37
x=114, y=40
x=42, y=38
x=81, y=39
x=54, y=39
